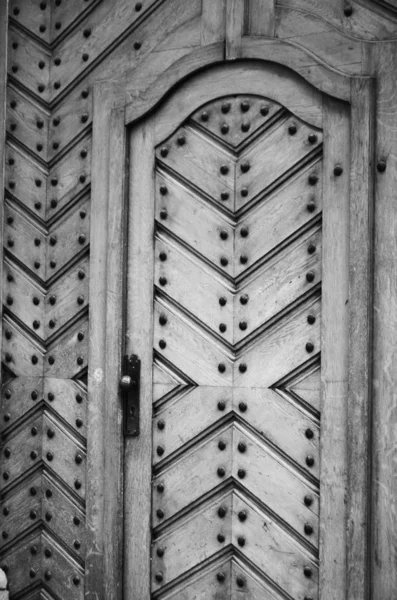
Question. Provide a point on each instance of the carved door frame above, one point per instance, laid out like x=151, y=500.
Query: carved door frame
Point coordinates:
x=115, y=109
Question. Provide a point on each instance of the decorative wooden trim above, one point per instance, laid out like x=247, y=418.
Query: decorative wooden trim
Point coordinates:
x=3, y=97
x=103, y=559
x=234, y=28
x=320, y=75
x=260, y=17
x=212, y=22
x=359, y=408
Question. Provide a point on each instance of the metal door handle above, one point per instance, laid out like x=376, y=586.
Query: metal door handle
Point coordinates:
x=130, y=391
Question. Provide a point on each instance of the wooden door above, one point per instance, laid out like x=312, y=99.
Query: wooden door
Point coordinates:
x=237, y=285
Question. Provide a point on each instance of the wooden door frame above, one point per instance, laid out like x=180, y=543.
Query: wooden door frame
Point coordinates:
x=114, y=111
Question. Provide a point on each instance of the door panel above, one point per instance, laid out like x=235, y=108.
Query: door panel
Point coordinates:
x=228, y=248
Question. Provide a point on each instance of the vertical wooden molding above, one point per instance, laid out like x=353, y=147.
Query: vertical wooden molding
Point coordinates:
x=260, y=17
x=234, y=28
x=3, y=98
x=360, y=339
x=212, y=21
x=334, y=349
x=100, y=495
x=384, y=433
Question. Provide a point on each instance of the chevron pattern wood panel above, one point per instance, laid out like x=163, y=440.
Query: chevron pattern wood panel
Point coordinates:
x=235, y=500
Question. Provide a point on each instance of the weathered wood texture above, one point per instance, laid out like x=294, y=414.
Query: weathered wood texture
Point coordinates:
x=56, y=52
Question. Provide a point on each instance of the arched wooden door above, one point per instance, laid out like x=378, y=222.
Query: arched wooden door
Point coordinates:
x=229, y=260
x=236, y=302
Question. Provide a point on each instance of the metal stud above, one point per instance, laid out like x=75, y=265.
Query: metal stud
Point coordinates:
x=57, y=61
x=10, y=242
x=160, y=424
x=6, y=475
x=313, y=179
x=76, y=580
x=221, y=445
x=137, y=45
x=77, y=484
x=309, y=433
x=7, y=394
x=159, y=577
x=34, y=359
x=243, y=325
x=33, y=455
x=221, y=405
x=242, y=447
x=245, y=126
x=225, y=108
x=222, y=301
x=8, y=357
x=87, y=32
x=32, y=573
x=221, y=367
x=163, y=320
x=204, y=116
x=243, y=259
x=79, y=423
x=7, y=452
x=307, y=571
x=83, y=153
x=164, y=151
x=80, y=336
x=160, y=488
x=242, y=367
x=241, y=473
x=245, y=106
x=381, y=166
x=309, y=347
x=54, y=203
x=85, y=57
x=310, y=276
x=292, y=129
x=244, y=299
x=244, y=232
x=311, y=319
x=160, y=513
x=81, y=274
x=6, y=511
x=82, y=178
x=348, y=11
x=222, y=327
x=4, y=535
x=244, y=192
x=163, y=281
x=224, y=261
x=242, y=406
x=223, y=234
x=160, y=450
x=245, y=167
x=241, y=540
x=50, y=456
x=160, y=552
x=221, y=472
x=225, y=128
x=47, y=575
x=308, y=500
x=224, y=169
x=80, y=300
x=7, y=417
x=77, y=544
x=84, y=117
x=79, y=398
x=163, y=256
x=48, y=552
x=225, y=196
x=311, y=248
x=82, y=239
x=308, y=529
x=309, y=461
x=222, y=510
x=50, y=396
x=78, y=458
x=58, y=25
x=36, y=324
x=163, y=214
x=311, y=206
x=162, y=344
x=138, y=6
x=181, y=140
x=338, y=170
x=221, y=577
x=33, y=514
x=10, y=300
x=312, y=138
x=242, y=515
x=220, y=537
x=50, y=433
x=240, y=581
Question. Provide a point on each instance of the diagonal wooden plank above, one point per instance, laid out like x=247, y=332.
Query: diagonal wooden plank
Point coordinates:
x=194, y=221
x=201, y=162
x=181, y=269
x=192, y=476
x=281, y=281
x=307, y=387
x=274, y=154
x=213, y=580
x=271, y=549
x=187, y=416
x=280, y=350
x=244, y=578
x=186, y=346
x=275, y=482
x=192, y=541
x=281, y=214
